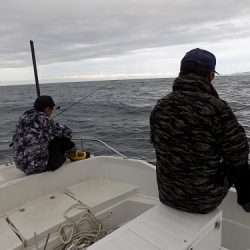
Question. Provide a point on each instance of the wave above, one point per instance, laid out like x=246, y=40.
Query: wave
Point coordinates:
x=114, y=111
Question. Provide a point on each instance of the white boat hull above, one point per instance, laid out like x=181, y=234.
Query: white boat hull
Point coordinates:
x=124, y=191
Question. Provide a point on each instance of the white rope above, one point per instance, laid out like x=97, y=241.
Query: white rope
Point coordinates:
x=70, y=233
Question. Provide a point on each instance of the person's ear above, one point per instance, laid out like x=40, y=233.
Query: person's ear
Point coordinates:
x=210, y=76
x=47, y=111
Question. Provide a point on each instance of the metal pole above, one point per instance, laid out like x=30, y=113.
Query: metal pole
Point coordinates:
x=34, y=67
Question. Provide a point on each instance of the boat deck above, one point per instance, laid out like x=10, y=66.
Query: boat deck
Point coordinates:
x=8, y=172
x=36, y=220
x=143, y=222
x=165, y=228
x=123, y=194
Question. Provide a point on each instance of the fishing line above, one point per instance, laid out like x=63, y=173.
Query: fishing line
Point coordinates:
x=85, y=97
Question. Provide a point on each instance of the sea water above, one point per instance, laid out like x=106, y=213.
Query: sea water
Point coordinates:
x=116, y=112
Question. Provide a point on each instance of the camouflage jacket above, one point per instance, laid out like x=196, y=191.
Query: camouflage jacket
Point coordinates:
x=200, y=146
x=31, y=140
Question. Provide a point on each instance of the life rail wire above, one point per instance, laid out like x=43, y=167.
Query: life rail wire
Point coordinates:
x=85, y=97
x=81, y=140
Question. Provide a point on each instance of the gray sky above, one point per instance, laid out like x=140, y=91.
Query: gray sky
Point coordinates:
x=106, y=39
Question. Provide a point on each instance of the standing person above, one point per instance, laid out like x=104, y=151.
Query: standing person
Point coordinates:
x=39, y=142
x=201, y=149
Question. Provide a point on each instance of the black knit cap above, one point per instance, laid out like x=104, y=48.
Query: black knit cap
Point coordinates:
x=43, y=102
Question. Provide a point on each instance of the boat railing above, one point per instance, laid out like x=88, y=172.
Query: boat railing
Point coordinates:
x=82, y=140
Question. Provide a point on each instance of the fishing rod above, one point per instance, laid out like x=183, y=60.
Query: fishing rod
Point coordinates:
x=37, y=81
x=84, y=98
x=35, y=68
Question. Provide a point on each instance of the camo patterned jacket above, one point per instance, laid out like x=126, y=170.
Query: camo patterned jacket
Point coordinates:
x=31, y=140
x=200, y=146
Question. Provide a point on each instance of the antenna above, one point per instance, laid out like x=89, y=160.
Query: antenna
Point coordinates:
x=35, y=68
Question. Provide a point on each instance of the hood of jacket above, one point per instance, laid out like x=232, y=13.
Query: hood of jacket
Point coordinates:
x=194, y=83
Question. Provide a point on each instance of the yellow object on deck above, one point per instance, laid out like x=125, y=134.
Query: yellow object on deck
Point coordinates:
x=77, y=156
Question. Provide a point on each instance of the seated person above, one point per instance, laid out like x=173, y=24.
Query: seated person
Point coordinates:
x=40, y=144
x=201, y=149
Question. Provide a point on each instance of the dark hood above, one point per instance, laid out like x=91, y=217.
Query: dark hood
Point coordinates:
x=194, y=83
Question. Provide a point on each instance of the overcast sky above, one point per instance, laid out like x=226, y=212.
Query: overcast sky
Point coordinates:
x=105, y=39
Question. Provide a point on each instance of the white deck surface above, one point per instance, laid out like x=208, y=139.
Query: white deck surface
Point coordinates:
x=41, y=215
x=236, y=224
x=9, y=172
x=46, y=214
x=165, y=228
x=18, y=191
x=97, y=193
x=8, y=238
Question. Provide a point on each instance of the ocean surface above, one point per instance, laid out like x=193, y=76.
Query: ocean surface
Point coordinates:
x=116, y=112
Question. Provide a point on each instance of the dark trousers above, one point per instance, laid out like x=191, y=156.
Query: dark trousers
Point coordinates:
x=242, y=186
x=57, y=152
x=239, y=177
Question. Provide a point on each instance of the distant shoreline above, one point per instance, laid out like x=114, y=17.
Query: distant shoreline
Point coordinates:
x=31, y=82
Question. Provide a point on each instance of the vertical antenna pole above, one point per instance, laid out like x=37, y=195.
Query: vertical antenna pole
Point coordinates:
x=35, y=68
